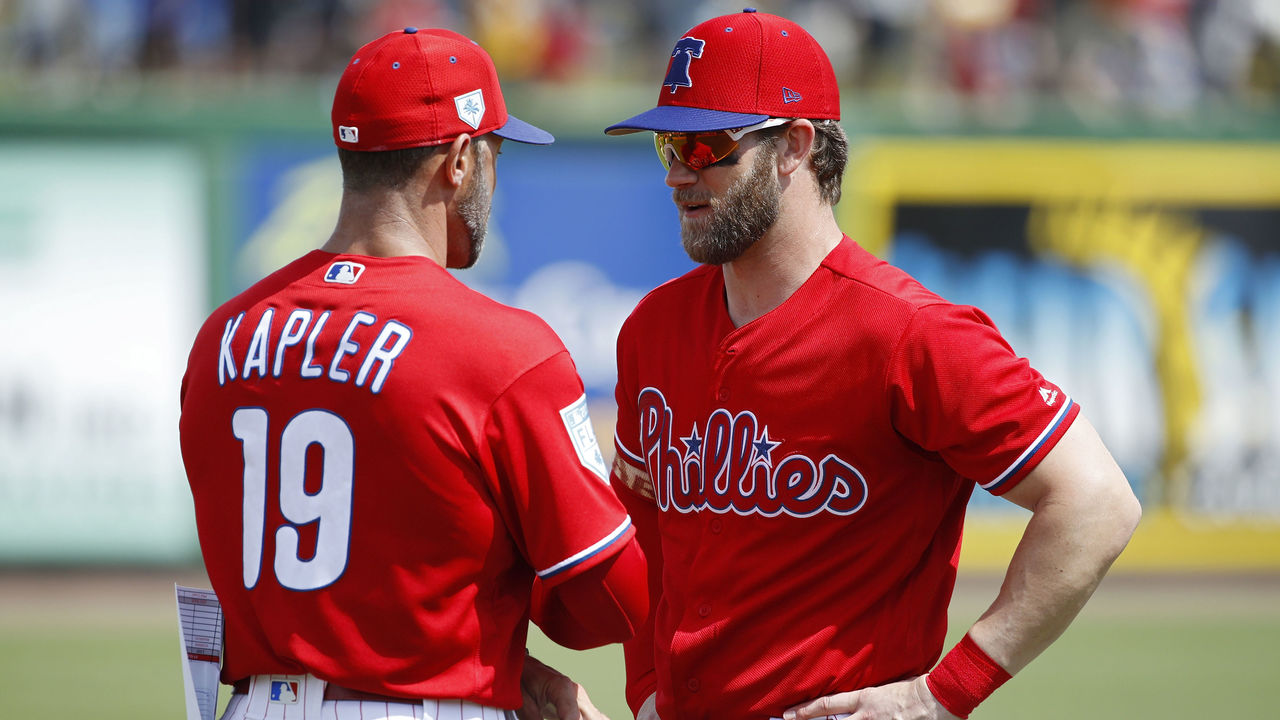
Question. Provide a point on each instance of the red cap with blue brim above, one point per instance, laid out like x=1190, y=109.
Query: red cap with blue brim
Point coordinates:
x=416, y=88
x=738, y=70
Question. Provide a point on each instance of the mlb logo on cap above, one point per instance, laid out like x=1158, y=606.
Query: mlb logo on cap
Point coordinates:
x=738, y=70
x=344, y=273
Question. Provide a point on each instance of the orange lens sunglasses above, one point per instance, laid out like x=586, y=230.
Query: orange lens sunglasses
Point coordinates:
x=700, y=149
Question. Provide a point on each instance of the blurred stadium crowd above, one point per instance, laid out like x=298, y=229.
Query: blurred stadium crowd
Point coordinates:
x=1162, y=58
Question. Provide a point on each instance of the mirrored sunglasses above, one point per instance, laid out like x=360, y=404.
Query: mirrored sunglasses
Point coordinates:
x=700, y=149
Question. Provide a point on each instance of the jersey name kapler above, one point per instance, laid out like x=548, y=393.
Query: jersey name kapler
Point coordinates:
x=295, y=344
x=730, y=468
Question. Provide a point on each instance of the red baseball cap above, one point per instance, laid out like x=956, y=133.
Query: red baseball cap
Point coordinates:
x=414, y=88
x=738, y=70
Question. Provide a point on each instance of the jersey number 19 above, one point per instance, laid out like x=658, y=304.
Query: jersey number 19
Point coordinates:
x=329, y=507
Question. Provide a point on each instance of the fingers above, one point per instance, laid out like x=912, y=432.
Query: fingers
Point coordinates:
x=560, y=700
x=836, y=705
x=585, y=708
x=529, y=711
x=568, y=700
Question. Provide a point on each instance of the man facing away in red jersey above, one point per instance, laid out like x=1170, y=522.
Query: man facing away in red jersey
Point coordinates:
x=391, y=472
x=801, y=426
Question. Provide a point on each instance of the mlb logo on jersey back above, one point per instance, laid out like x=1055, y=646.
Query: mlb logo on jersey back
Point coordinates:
x=344, y=273
x=284, y=691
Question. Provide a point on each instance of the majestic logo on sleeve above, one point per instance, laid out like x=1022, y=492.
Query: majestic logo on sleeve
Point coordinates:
x=730, y=466
x=682, y=56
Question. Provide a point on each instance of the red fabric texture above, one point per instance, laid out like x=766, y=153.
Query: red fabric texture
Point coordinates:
x=965, y=677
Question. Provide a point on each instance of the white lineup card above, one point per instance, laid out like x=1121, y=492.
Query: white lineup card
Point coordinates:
x=200, y=633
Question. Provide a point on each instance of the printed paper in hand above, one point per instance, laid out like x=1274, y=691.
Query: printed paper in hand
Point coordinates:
x=200, y=627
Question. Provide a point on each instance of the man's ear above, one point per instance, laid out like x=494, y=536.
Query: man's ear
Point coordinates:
x=458, y=161
x=794, y=146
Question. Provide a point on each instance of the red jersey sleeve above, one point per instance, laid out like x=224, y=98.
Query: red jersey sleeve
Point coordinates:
x=956, y=388
x=604, y=604
x=549, y=475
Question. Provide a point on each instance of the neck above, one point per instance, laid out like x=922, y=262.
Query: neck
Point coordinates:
x=775, y=267
x=389, y=224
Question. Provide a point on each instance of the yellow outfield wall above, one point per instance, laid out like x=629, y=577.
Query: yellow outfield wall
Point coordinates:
x=1165, y=541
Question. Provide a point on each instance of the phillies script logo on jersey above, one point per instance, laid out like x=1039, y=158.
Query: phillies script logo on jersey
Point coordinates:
x=729, y=466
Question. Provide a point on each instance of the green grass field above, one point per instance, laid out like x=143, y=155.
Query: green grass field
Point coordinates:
x=104, y=645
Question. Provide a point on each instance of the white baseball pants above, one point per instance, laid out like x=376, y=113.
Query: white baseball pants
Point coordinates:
x=302, y=698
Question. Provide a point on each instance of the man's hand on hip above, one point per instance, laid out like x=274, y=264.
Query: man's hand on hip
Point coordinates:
x=906, y=700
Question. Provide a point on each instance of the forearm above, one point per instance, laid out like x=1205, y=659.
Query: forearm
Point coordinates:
x=1076, y=531
x=1053, y=573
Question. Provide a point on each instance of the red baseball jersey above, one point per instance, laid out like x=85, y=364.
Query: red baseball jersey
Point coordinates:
x=381, y=460
x=808, y=475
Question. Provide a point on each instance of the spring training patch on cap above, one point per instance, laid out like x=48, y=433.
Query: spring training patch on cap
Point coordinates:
x=470, y=107
x=348, y=134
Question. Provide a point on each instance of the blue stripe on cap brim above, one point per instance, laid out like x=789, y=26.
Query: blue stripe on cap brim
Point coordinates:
x=521, y=131
x=674, y=118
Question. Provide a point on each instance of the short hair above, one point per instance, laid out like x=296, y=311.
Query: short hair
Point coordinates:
x=828, y=158
x=387, y=169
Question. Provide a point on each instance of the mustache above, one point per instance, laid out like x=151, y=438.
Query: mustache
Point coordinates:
x=691, y=196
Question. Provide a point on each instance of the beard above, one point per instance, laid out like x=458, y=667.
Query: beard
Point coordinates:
x=738, y=219
x=473, y=207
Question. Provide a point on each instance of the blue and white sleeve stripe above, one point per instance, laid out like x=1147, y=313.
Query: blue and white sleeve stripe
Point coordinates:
x=1031, y=451
x=587, y=554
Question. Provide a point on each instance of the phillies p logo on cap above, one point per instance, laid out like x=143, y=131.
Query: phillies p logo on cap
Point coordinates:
x=682, y=56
